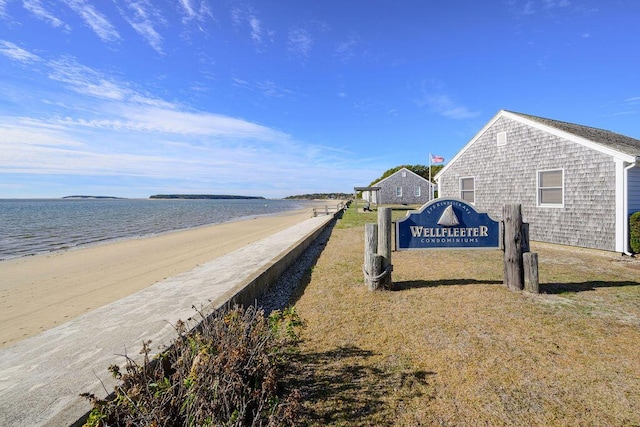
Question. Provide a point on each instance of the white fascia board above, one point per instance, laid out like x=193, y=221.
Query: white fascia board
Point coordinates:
x=469, y=144
x=418, y=176
x=377, y=184
x=621, y=217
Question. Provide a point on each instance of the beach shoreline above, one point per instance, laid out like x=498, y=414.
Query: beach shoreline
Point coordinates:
x=42, y=291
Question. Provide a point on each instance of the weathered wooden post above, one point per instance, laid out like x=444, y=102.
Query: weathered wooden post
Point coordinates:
x=372, y=261
x=513, y=263
x=531, y=281
x=384, y=245
x=525, y=238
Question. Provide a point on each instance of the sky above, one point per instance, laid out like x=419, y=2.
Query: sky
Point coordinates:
x=274, y=98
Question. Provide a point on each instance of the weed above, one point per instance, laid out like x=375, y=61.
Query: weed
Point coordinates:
x=225, y=373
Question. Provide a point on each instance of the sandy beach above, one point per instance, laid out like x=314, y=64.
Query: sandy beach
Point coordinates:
x=40, y=292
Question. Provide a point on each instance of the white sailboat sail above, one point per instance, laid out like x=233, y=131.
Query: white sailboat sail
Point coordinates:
x=448, y=218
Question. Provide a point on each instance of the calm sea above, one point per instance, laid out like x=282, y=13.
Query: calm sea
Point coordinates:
x=28, y=227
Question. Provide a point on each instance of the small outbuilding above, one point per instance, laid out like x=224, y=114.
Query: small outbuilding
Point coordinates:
x=577, y=185
x=403, y=187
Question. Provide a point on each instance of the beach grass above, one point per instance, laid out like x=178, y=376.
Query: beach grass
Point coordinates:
x=450, y=345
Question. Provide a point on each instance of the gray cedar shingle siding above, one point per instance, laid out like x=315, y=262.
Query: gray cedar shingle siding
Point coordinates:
x=507, y=174
x=634, y=190
x=387, y=193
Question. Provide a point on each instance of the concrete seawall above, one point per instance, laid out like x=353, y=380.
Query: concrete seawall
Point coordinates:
x=41, y=377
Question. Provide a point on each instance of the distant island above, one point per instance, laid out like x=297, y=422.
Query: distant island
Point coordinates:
x=92, y=197
x=321, y=196
x=201, y=196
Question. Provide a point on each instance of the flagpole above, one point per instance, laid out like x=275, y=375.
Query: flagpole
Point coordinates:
x=430, y=187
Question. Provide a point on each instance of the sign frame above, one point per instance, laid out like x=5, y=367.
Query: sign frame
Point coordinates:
x=447, y=224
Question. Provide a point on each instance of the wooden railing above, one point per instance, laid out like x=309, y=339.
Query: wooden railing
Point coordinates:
x=329, y=210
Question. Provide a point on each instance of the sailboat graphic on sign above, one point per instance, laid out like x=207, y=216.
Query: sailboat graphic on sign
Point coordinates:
x=448, y=218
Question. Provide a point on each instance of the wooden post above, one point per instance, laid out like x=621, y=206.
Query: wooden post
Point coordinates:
x=513, y=264
x=370, y=248
x=525, y=238
x=384, y=245
x=531, y=281
x=376, y=270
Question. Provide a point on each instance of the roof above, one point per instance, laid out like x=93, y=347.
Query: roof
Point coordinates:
x=616, y=141
x=614, y=144
x=400, y=170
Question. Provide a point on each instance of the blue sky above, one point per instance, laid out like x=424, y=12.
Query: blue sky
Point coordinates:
x=279, y=97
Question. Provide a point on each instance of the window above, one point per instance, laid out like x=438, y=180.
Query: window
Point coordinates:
x=416, y=191
x=404, y=174
x=501, y=139
x=468, y=189
x=551, y=188
x=398, y=191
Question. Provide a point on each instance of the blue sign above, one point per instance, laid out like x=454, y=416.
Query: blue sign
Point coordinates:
x=447, y=224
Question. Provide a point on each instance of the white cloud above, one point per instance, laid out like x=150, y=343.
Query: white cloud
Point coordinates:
x=444, y=106
x=195, y=10
x=85, y=80
x=144, y=21
x=528, y=8
x=112, y=116
x=245, y=15
x=103, y=126
x=15, y=52
x=434, y=97
x=30, y=132
x=267, y=88
x=208, y=152
x=556, y=3
x=299, y=42
x=89, y=82
x=346, y=49
x=256, y=31
x=171, y=121
x=270, y=89
x=95, y=20
x=38, y=10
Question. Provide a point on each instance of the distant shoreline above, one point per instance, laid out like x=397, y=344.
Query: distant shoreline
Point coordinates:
x=204, y=196
x=93, y=197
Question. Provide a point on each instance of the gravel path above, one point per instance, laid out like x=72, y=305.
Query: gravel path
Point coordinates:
x=279, y=294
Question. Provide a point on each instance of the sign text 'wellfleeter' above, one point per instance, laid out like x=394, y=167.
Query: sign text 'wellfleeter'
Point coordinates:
x=447, y=224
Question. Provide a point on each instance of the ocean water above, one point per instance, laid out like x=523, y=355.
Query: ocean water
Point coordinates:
x=29, y=227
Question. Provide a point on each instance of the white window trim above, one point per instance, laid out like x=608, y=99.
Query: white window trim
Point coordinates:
x=549, y=205
x=398, y=191
x=417, y=191
x=468, y=191
x=501, y=139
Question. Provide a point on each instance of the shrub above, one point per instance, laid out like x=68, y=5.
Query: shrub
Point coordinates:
x=634, y=232
x=224, y=373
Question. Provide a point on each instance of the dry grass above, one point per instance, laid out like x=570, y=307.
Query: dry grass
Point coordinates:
x=452, y=346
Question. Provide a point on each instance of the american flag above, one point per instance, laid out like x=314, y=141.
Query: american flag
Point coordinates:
x=437, y=159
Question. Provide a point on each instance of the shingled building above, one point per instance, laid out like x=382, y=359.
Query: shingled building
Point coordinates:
x=578, y=185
